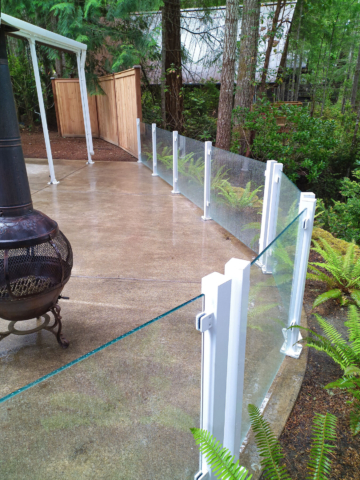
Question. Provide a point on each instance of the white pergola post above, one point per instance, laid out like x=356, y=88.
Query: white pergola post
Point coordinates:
x=81, y=56
x=42, y=111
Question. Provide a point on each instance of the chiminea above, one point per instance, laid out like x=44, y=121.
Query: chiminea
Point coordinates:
x=35, y=257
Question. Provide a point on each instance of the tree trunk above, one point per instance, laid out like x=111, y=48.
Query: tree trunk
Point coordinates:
x=279, y=5
x=244, y=95
x=299, y=72
x=356, y=81
x=162, y=79
x=282, y=66
x=327, y=68
x=223, y=136
x=172, y=65
x=297, y=50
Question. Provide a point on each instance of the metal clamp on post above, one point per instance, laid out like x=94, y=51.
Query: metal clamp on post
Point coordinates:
x=202, y=476
x=204, y=321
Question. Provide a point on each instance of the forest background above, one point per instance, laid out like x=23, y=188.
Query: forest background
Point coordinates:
x=317, y=141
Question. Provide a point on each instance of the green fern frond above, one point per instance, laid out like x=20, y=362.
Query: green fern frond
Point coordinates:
x=324, y=431
x=355, y=295
x=336, y=293
x=268, y=446
x=355, y=420
x=353, y=326
x=220, y=460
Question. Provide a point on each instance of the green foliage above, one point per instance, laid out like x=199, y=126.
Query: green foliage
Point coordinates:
x=268, y=446
x=220, y=460
x=344, y=353
x=237, y=197
x=343, y=218
x=224, y=466
x=343, y=274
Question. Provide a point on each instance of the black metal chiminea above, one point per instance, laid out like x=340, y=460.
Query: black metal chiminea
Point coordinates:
x=35, y=257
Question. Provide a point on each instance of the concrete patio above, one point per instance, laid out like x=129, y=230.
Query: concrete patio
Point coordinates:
x=139, y=251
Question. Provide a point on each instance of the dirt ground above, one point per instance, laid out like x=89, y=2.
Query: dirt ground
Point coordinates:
x=71, y=148
x=313, y=398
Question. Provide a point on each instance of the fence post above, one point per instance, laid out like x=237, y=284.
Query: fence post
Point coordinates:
x=290, y=347
x=175, y=163
x=155, y=173
x=239, y=273
x=138, y=139
x=270, y=209
x=214, y=325
x=207, y=180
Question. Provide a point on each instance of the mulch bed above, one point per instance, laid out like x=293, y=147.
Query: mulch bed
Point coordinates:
x=71, y=148
x=313, y=398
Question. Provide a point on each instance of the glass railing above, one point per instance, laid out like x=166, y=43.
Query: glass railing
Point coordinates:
x=191, y=169
x=237, y=189
x=164, y=153
x=288, y=207
x=146, y=145
x=271, y=280
x=121, y=411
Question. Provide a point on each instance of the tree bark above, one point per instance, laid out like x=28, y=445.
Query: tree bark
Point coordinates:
x=172, y=64
x=223, y=135
x=296, y=98
x=343, y=103
x=279, y=5
x=327, y=68
x=356, y=81
x=248, y=54
x=296, y=55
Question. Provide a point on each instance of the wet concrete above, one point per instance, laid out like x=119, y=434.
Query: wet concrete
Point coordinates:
x=139, y=251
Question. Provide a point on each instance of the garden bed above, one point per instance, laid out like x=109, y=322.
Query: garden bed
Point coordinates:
x=313, y=398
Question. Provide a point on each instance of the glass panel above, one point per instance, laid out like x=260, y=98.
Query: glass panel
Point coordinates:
x=289, y=200
x=164, y=152
x=268, y=314
x=122, y=411
x=191, y=169
x=146, y=145
x=237, y=189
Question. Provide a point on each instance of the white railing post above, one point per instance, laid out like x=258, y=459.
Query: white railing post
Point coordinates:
x=239, y=273
x=291, y=347
x=138, y=139
x=155, y=173
x=207, y=180
x=214, y=325
x=175, y=163
x=270, y=209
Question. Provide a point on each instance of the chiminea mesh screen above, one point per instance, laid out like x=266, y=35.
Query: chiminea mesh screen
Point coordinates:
x=36, y=269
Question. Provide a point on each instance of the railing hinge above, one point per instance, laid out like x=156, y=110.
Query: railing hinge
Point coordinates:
x=204, y=321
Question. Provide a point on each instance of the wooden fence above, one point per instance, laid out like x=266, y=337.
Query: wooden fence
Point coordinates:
x=113, y=115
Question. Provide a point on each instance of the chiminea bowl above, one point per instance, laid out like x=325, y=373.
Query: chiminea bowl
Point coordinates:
x=32, y=275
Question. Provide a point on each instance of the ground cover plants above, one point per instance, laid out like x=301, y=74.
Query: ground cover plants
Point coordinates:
x=225, y=467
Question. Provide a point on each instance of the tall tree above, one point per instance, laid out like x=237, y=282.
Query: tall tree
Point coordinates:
x=172, y=64
x=356, y=81
x=223, y=136
x=248, y=53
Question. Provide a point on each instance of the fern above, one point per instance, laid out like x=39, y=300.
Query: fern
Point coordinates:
x=324, y=431
x=220, y=460
x=343, y=278
x=268, y=446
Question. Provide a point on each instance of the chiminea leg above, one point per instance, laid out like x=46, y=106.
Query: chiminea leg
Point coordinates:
x=60, y=338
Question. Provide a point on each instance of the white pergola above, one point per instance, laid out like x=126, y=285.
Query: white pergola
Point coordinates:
x=44, y=37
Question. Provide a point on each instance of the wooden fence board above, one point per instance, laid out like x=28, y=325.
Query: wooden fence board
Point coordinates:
x=113, y=115
x=107, y=114
x=68, y=108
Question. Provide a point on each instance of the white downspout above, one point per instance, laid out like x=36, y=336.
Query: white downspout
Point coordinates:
x=53, y=180
x=84, y=101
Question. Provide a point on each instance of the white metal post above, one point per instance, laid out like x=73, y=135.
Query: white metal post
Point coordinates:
x=239, y=273
x=155, y=173
x=81, y=56
x=42, y=111
x=214, y=325
x=308, y=202
x=207, y=180
x=138, y=139
x=270, y=210
x=175, y=163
